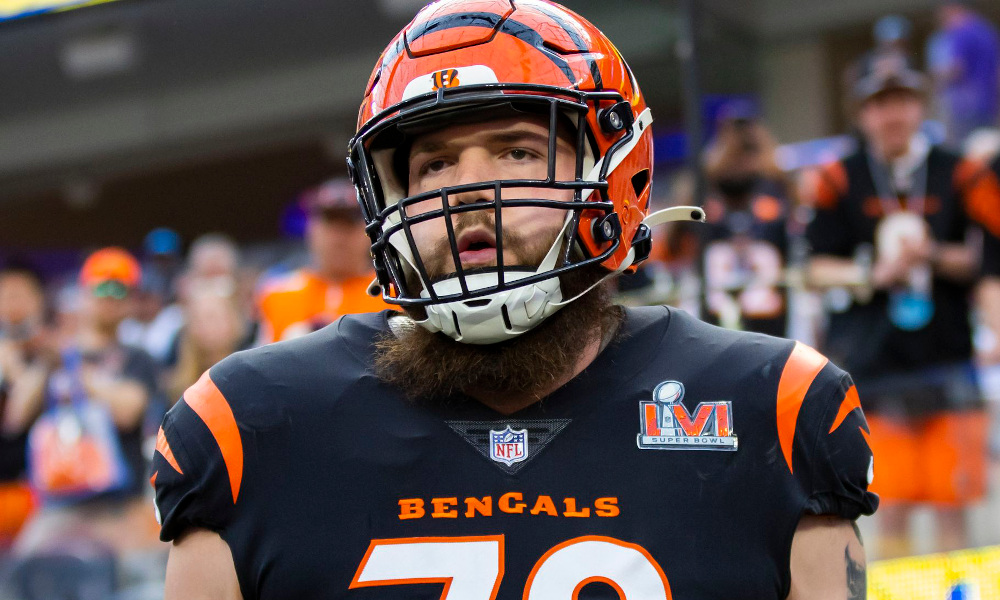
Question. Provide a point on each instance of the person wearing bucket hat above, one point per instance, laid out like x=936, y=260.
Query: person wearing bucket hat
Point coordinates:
x=335, y=284
x=891, y=222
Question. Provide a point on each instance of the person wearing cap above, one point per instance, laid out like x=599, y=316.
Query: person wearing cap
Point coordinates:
x=891, y=223
x=336, y=281
x=120, y=381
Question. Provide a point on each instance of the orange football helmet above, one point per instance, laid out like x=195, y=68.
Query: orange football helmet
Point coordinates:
x=468, y=60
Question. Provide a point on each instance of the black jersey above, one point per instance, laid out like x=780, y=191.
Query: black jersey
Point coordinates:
x=679, y=462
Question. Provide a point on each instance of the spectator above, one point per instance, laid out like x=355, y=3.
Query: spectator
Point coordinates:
x=964, y=57
x=155, y=320
x=24, y=368
x=92, y=480
x=745, y=242
x=213, y=265
x=215, y=329
x=153, y=325
x=337, y=281
x=905, y=336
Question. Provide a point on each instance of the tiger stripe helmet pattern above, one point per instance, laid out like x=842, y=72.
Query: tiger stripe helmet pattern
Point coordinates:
x=460, y=56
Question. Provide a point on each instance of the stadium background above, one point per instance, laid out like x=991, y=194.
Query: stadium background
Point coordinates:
x=212, y=116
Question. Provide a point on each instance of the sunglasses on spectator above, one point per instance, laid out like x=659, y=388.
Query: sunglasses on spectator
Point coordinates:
x=110, y=289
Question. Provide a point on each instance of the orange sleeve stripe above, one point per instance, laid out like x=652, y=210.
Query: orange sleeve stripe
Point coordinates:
x=867, y=436
x=163, y=447
x=967, y=171
x=982, y=195
x=826, y=185
x=211, y=406
x=801, y=369
x=847, y=406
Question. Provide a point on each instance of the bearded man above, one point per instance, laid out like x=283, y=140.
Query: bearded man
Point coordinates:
x=485, y=444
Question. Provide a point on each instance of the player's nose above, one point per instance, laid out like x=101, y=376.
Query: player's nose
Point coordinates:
x=474, y=166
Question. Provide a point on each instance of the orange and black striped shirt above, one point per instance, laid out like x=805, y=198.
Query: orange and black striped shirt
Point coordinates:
x=681, y=460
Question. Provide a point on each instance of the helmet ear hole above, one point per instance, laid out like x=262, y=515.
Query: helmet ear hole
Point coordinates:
x=639, y=182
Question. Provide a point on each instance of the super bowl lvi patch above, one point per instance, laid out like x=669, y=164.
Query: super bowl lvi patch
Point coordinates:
x=666, y=424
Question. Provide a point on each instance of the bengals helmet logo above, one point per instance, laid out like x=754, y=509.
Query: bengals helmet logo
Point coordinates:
x=447, y=78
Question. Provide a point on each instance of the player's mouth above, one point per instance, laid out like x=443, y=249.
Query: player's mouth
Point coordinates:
x=477, y=248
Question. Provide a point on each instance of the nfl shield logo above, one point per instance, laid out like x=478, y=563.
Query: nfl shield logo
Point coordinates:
x=509, y=446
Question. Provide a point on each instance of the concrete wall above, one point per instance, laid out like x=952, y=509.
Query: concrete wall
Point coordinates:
x=796, y=89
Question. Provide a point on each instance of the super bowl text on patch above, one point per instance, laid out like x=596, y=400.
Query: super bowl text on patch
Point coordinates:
x=666, y=424
x=511, y=503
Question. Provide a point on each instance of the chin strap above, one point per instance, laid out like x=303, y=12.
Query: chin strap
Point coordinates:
x=667, y=215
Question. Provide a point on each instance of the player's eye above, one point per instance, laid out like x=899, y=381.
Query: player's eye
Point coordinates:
x=433, y=166
x=521, y=154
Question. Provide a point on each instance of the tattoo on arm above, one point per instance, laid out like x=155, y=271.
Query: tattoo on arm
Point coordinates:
x=857, y=580
x=857, y=533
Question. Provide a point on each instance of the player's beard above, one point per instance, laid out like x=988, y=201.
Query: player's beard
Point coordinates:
x=433, y=367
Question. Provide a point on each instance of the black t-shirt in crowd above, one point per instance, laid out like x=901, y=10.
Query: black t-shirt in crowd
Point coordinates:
x=848, y=209
x=679, y=462
x=131, y=364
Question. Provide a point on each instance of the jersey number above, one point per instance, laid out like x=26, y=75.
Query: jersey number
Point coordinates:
x=471, y=568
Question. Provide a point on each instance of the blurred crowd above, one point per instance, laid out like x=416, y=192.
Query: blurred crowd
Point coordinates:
x=884, y=254
x=886, y=257
x=90, y=363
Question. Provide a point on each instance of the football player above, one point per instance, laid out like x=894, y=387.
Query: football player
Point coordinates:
x=513, y=434
x=893, y=220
